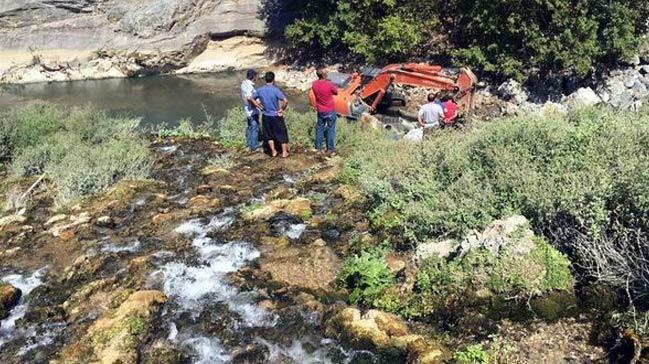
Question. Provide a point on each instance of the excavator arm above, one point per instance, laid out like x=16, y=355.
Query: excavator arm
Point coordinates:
x=356, y=96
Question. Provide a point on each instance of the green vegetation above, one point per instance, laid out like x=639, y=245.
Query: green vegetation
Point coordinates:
x=366, y=276
x=505, y=37
x=494, y=351
x=586, y=171
x=540, y=271
x=222, y=161
x=80, y=150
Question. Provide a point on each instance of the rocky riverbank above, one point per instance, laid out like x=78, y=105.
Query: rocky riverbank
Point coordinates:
x=222, y=257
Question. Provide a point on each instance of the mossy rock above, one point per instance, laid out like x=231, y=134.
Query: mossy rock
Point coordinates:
x=9, y=298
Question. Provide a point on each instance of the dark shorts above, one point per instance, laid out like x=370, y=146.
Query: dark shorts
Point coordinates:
x=274, y=128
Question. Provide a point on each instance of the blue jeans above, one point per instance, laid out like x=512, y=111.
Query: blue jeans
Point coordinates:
x=252, y=133
x=326, y=124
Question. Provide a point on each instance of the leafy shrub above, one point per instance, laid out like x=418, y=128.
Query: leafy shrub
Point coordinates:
x=366, y=276
x=81, y=150
x=505, y=37
x=472, y=354
x=585, y=171
x=372, y=30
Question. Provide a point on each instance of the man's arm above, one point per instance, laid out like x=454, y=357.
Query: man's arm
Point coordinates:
x=334, y=88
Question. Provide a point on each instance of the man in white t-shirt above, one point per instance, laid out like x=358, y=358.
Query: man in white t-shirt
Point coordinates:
x=251, y=108
x=431, y=113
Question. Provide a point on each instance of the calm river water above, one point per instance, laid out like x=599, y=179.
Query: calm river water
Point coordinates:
x=154, y=99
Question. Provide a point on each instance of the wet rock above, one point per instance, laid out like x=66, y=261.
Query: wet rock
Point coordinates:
x=105, y=221
x=115, y=337
x=298, y=206
x=381, y=331
x=277, y=242
x=8, y=253
x=253, y=353
x=581, y=98
x=9, y=298
x=213, y=170
x=76, y=220
x=12, y=219
x=302, y=266
x=56, y=218
x=349, y=194
x=201, y=202
x=326, y=175
x=442, y=249
x=165, y=352
x=330, y=234
x=281, y=223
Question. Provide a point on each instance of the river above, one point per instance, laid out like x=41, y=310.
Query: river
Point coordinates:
x=157, y=99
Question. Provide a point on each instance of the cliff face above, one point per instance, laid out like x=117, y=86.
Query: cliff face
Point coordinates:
x=136, y=36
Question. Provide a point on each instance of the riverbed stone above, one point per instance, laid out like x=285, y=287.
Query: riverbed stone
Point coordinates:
x=310, y=267
x=299, y=206
x=381, y=331
x=9, y=298
x=12, y=219
x=116, y=335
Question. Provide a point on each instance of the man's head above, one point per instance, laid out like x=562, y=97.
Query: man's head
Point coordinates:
x=251, y=74
x=321, y=72
x=269, y=77
x=432, y=97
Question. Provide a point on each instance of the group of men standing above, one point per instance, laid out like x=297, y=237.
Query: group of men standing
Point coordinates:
x=265, y=107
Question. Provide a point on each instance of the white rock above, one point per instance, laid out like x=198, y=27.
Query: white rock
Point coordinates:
x=439, y=249
x=581, y=98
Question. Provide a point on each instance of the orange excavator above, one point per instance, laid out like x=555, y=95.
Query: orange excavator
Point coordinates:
x=373, y=91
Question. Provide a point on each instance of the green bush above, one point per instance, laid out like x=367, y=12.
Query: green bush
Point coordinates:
x=366, y=276
x=586, y=171
x=472, y=354
x=505, y=37
x=81, y=150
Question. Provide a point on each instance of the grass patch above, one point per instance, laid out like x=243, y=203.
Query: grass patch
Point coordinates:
x=80, y=150
x=224, y=161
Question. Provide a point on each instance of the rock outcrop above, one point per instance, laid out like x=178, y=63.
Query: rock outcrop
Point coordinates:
x=59, y=40
x=384, y=332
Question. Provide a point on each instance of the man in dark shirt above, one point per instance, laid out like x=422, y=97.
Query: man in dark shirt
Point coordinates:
x=273, y=103
x=323, y=92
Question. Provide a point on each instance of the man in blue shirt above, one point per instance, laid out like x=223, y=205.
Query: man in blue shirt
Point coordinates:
x=273, y=103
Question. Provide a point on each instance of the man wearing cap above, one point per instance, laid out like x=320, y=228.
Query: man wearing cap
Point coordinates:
x=251, y=108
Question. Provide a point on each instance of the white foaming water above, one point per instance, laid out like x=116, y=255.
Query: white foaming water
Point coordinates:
x=169, y=150
x=26, y=285
x=112, y=248
x=196, y=287
x=207, y=350
x=295, y=231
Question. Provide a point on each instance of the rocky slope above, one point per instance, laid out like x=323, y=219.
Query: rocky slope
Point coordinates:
x=43, y=40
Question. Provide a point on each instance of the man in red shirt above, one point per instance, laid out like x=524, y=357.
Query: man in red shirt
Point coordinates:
x=323, y=92
x=450, y=109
